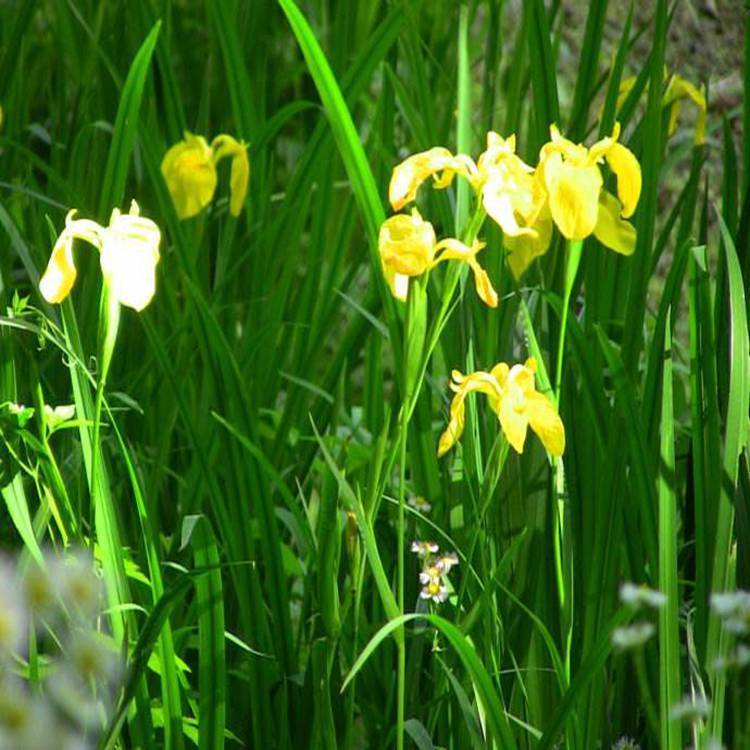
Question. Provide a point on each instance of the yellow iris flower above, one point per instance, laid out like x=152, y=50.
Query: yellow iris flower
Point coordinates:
x=678, y=89
x=515, y=400
x=128, y=254
x=510, y=195
x=189, y=169
x=578, y=204
x=438, y=163
x=408, y=247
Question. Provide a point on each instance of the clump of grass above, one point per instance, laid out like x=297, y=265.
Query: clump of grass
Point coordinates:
x=245, y=434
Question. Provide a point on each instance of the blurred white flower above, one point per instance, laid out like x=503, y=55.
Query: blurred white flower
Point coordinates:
x=641, y=596
x=626, y=743
x=424, y=549
x=419, y=504
x=76, y=583
x=733, y=608
x=26, y=722
x=446, y=561
x=13, y=616
x=54, y=417
x=632, y=636
x=691, y=709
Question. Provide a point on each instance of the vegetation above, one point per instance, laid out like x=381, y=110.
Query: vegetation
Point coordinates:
x=389, y=414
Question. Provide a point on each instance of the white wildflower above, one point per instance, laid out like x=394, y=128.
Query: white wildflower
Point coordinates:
x=632, y=636
x=640, y=596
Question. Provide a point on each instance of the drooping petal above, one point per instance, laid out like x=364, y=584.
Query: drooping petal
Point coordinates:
x=611, y=229
x=522, y=250
x=453, y=249
x=623, y=163
x=545, y=422
x=476, y=382
x=226, y=146
x=485, y=291
x=573, y=196
x=680, y=88
x=190, y=174
x=413, y=171
x=455, y=428
x=60, y=275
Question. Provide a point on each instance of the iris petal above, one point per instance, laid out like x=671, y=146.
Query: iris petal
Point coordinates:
x=611, y=230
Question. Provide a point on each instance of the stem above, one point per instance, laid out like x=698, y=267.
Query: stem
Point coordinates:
x=401, y=678
x=562, y=576
x=571, y=269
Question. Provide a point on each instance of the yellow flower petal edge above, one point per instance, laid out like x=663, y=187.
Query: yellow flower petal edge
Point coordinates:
x=453, y=249
x=129, y=252
x=226, y=146
x=611, y=230
x=437, y=162
x=516, y=402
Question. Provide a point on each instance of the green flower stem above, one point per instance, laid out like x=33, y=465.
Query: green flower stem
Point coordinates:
x=563, y=565
x=573, y=260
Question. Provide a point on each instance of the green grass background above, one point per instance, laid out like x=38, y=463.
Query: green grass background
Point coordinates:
x=242, y=492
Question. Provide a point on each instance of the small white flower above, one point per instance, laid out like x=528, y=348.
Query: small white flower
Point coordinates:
x=423, y=549
x=632, y=636
x=446, y=561
x=419, y=504
x=55, y=417
x=737, y=659
x=640, y=596
x=690, y=708
x=433, y=589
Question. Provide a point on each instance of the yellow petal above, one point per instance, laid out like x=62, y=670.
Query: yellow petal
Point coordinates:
x=453, y=249
x=455, y=427
x=545, y=422
x=190, y=174
x=485, y=291
x=130, y=252
x=60, y=275
x=522, y=250
x=58, y=279
x=680, y=88
x=573, y=196
x=226, y=146
x=623, y=163
x=611, y=230
x=512, y=418
x=412, y=172
x=406, y=244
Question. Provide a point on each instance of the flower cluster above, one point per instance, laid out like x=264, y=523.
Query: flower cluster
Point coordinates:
x=128, y=254
x=60, y=599
x=189, y=169
x=435, y=569
x=516, y=402
x=637, y=597
x=565, y=189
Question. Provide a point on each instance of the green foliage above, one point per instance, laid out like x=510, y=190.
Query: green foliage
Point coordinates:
x=244, y=455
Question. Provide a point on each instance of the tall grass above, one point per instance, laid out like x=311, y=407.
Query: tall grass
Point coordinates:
x=244, y=450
